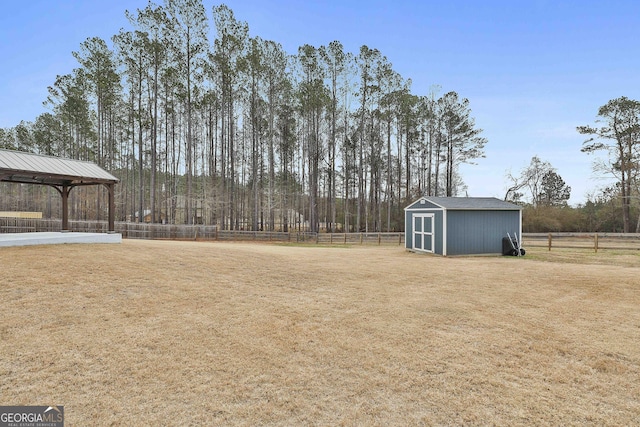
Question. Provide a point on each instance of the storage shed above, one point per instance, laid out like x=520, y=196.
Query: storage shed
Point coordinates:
x=460, y=225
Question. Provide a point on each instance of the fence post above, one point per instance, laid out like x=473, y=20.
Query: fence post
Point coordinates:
x=331, y=238
x=345, y=238
x=595, y=242
x=549, y=242
x=379, y=239
x=360, y=238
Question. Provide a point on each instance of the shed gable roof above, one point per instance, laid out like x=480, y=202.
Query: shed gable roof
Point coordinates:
x=17, y=166
x=467, y=203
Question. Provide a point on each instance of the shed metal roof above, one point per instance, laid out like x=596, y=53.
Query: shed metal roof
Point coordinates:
x=469, y=203
x=17, y=166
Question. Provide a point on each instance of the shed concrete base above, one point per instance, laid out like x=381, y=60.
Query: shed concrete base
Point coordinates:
x=53, y=238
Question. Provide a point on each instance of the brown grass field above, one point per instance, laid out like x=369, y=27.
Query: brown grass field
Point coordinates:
x=195, y=333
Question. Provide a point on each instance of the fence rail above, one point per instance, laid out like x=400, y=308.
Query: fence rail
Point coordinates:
x=131, y=230
x=361, y=238
x=592, y=241
x=28, y=225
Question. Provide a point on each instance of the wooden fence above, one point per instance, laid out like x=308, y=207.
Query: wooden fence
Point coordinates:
x=590, y=241
x=28, y=225
x=361, y=238
x=129, y=230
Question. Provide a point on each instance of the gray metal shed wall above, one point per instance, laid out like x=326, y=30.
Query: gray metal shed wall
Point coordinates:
x=438, y=230
x=479, y=232
x=408, y=229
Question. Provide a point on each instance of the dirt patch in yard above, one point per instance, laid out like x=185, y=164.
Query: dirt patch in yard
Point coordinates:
x=193, y=333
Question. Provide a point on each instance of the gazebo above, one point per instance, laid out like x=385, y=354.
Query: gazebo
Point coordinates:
x=59, y=173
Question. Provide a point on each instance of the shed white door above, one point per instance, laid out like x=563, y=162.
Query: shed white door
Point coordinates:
x=423, y=238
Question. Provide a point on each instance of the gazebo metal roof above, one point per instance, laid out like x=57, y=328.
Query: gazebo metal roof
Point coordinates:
x=59, y=173
x=28, y=168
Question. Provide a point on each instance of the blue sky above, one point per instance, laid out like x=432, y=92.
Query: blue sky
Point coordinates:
x=532, y=70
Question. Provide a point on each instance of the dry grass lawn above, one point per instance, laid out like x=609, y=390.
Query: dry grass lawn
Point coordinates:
x=192, y=333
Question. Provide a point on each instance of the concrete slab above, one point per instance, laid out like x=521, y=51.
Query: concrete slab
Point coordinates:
x=53, y=238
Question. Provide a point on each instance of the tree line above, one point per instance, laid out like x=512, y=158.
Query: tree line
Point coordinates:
x=543, y=195
x=204, y=123
x=615, y=141
x=614, y=208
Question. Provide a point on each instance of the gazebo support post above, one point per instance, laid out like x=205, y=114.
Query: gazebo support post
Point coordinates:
x=112, y=208
x=65, y=207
